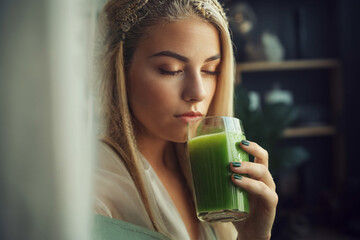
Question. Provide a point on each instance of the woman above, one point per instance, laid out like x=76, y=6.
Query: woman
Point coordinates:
x=167, y=62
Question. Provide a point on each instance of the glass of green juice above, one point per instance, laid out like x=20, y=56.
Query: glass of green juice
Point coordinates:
x=213, y=143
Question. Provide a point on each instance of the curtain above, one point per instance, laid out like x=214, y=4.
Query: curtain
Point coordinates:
x=47, y=127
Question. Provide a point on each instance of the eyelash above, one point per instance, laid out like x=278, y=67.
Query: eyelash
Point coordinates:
x=173, y=73
x=215, y=73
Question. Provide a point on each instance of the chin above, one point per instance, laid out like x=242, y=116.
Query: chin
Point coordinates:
x=178, y=138
x=180, y=141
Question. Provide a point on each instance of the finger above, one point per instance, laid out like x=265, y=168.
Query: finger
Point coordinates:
x=260, y=154
x=257, y=188
x=255, y=171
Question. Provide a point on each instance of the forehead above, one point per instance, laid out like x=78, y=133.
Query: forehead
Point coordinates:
x=191, y=36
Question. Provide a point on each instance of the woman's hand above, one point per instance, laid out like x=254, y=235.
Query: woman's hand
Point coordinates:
x=261, y=191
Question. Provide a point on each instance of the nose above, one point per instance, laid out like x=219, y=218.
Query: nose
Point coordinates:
x=194, y=88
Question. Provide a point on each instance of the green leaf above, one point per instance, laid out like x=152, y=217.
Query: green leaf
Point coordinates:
x=266, y=127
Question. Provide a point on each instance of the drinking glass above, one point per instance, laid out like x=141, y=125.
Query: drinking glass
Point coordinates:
x=213, y=143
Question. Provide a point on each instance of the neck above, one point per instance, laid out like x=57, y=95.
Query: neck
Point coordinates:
x=158, y=152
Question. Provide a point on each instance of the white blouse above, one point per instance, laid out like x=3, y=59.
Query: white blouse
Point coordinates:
x=116, y=196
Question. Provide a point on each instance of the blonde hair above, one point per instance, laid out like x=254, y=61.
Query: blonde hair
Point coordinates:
x=118, y=121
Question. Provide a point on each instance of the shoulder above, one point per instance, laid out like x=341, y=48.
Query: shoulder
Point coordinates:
x=108, y=159
x=110, y=180
x=111, y=172
x=115, y=193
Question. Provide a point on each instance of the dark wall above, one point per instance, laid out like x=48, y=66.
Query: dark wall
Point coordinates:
x=306, y=28
x=318, y=29
x=349, y=49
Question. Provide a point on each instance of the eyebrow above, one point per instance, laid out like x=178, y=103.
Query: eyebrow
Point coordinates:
x=180, y=57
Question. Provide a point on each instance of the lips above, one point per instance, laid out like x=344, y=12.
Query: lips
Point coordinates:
x=189, y=116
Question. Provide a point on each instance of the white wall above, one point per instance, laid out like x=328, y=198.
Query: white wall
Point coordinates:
x=46, y=119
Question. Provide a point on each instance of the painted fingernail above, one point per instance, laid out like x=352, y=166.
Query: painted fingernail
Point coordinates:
x=244, y=142
x=236, y=164
x=237, y=176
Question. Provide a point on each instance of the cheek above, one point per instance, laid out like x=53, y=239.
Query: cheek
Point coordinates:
x=210, y=88
x=213, y=88
x=151, y=95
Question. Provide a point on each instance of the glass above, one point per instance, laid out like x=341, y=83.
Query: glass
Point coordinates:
x=213, y=143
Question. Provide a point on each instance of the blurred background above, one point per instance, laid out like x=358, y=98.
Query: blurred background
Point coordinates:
x=296, y=93
x=46, y=118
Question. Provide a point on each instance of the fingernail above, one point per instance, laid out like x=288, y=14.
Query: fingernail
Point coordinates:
x=244, y=142
x=236, y=164
x=237, y=176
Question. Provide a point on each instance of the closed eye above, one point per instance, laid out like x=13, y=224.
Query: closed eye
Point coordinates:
x=165, y=72
x=215, y=73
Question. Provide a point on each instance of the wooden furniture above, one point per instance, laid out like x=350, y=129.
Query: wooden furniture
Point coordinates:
x=331, y=129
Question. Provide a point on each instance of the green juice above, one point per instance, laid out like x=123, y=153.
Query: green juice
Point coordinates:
x=210, y=156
